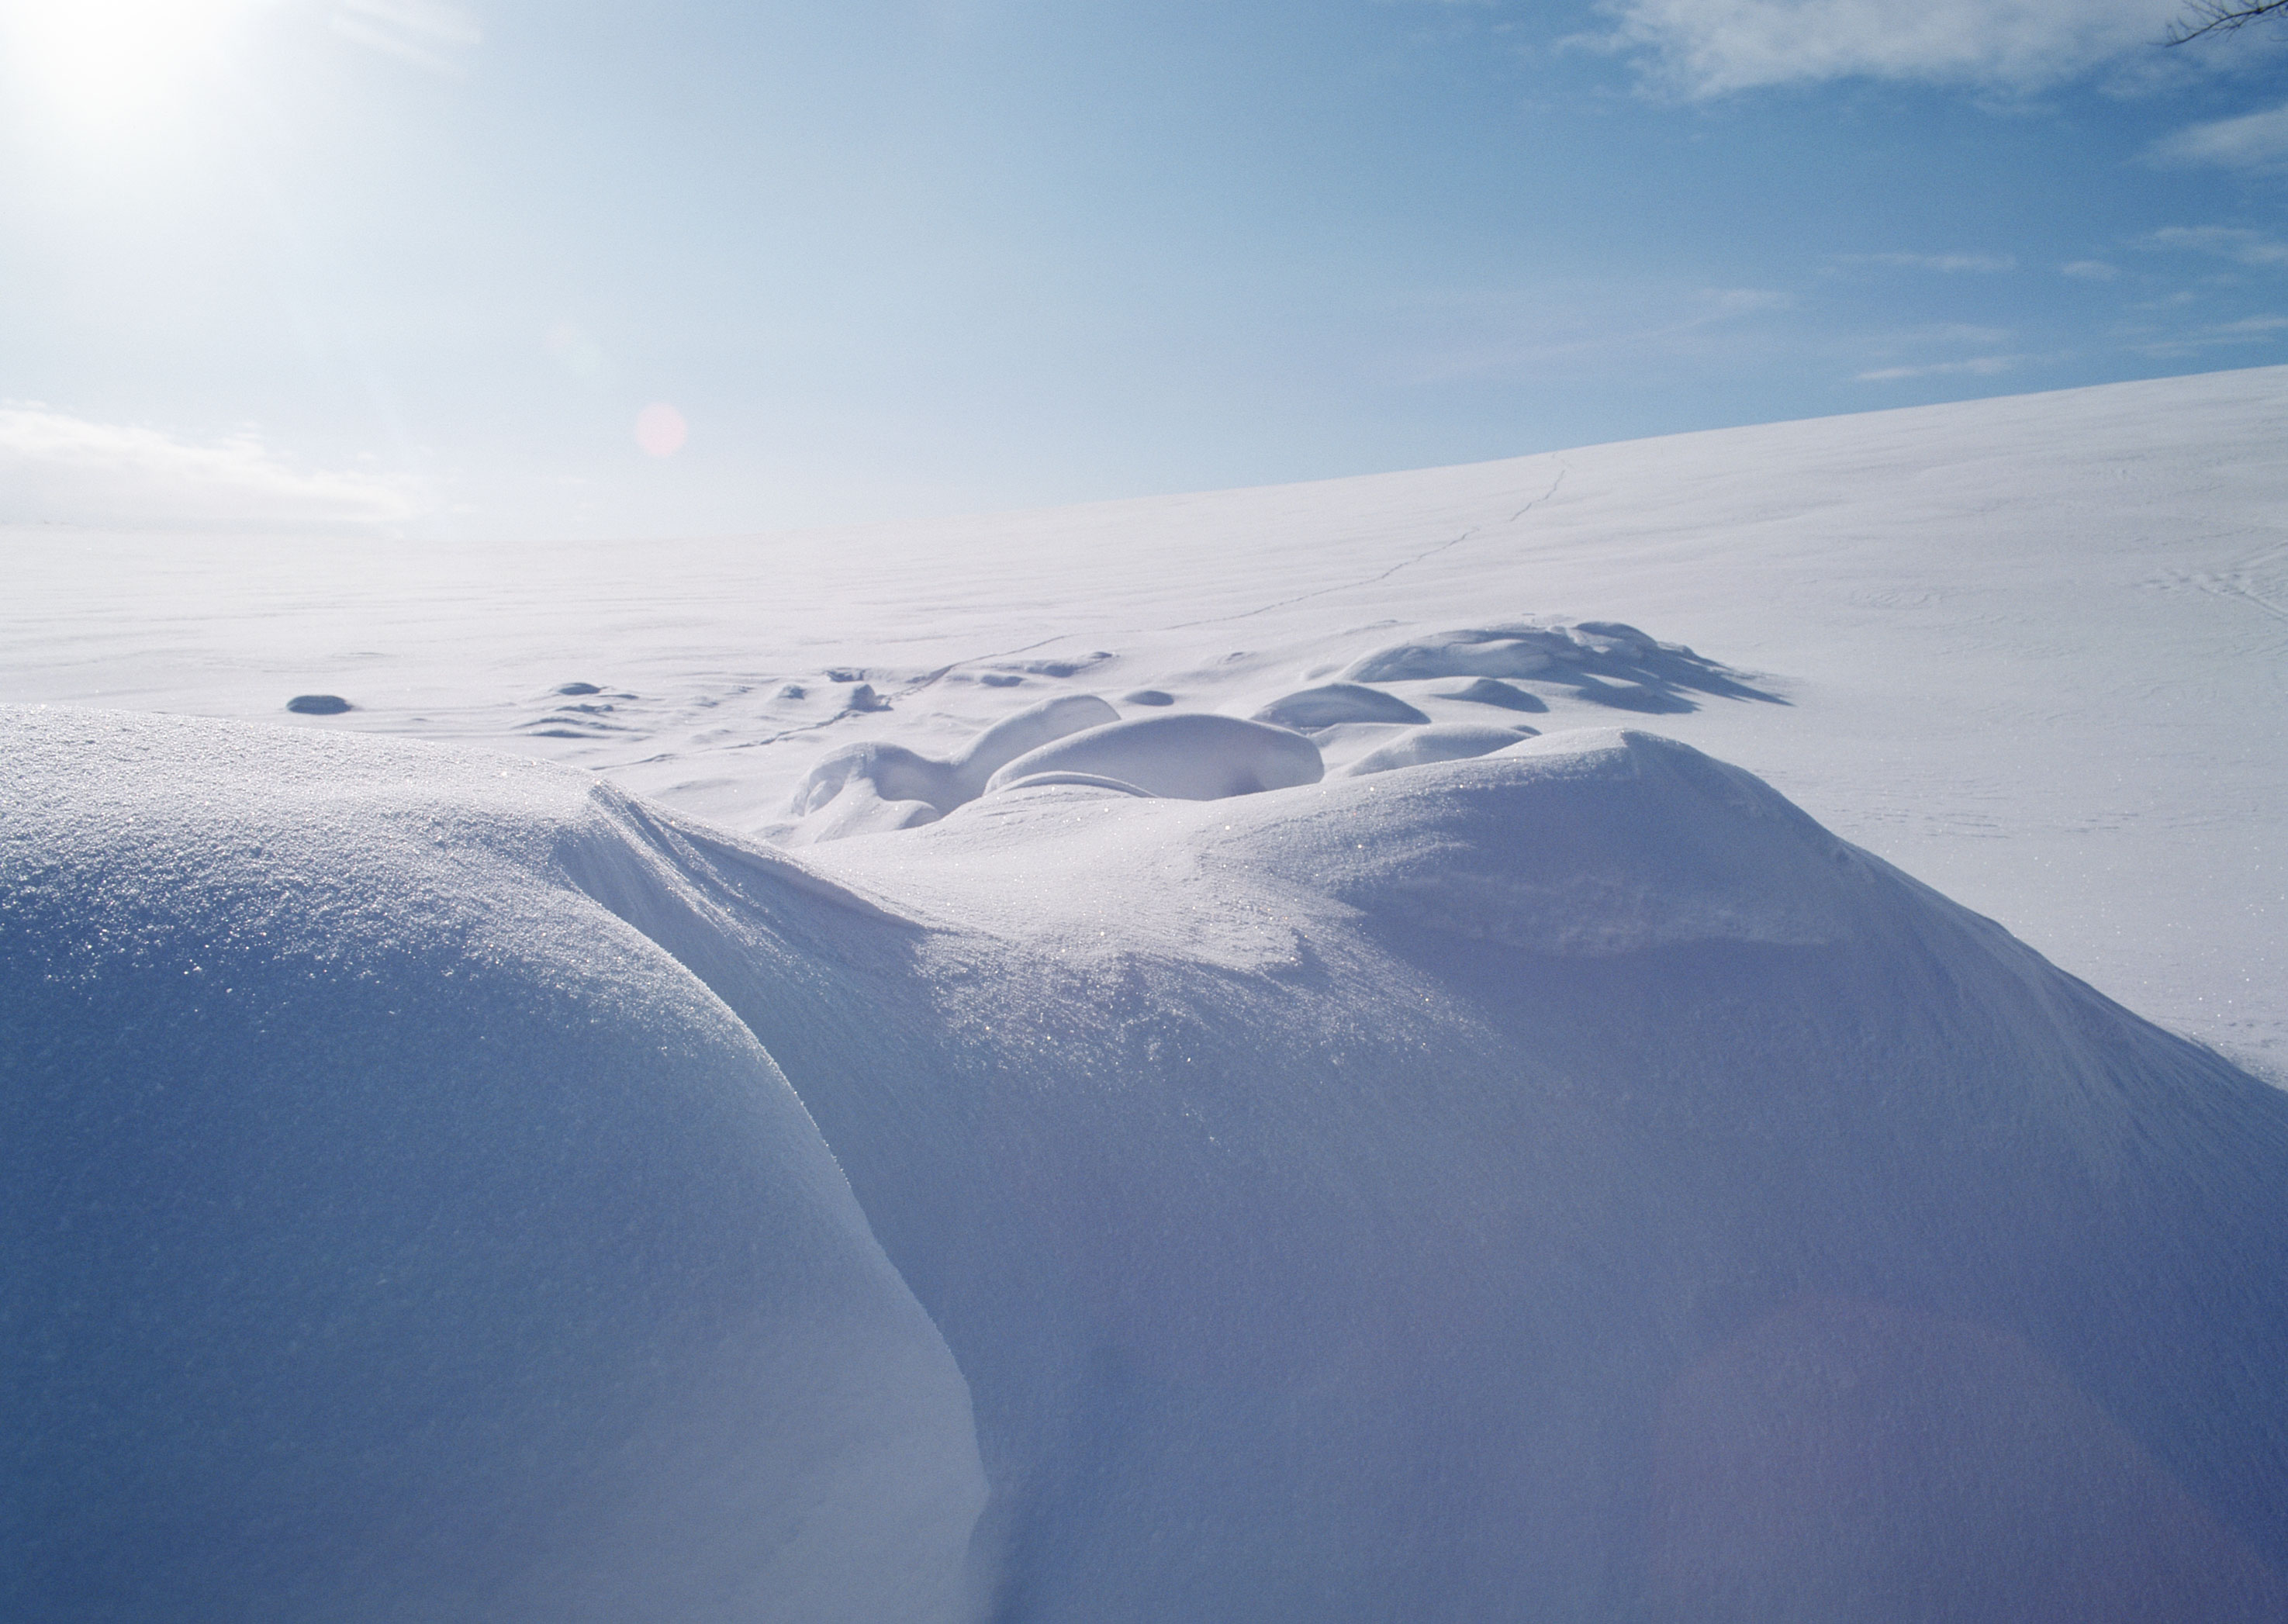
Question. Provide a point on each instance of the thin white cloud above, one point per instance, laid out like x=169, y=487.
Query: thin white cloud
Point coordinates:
x=2233, y=242
x=56, y=468
x=2253, y=141
x=1933, y=262
x=2090, y=270
x=2248, y=327
x=2248, y=330
x=428, y=33
x=1719, y=303
x=1704, y=48
x=1977, y=366
x=1486, y=335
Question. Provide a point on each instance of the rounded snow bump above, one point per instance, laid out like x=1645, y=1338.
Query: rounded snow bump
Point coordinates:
x=1449, y=741
x=1334, y=702
x=1196, y=756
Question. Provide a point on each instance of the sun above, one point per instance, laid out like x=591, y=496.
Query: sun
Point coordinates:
x=112, y=64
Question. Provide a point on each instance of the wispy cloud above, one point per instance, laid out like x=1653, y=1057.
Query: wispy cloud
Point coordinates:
x=2233, y=242
x=428, y=33
x=1933, y=262
x=2268, y=328
x=2252, y=141
x=2090, y=270
x=58, y=468
x=1976, y=366
x=2250, y=326
x=1704, y=48
x=1486, y=335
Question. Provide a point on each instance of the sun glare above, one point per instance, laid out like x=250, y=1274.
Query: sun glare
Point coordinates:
x=112, y=64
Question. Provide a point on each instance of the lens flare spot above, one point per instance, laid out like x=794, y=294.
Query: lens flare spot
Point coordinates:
x=575, y=351
x=660, y=430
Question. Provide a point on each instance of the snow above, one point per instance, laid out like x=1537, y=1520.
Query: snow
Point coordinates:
x=392, y=1233
x=1445, y=742
x=1193, y=756
x=873, y=788
x=2030, y=649
x=1091, y=1065
x=1332, y=702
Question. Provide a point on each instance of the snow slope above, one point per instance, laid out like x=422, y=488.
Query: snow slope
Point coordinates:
x=2030, y=649
x=1566, y=1183
x=1220, y=1058
x=391, y=1233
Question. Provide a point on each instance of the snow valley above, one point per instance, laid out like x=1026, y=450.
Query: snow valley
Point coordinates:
x=1237, y=1056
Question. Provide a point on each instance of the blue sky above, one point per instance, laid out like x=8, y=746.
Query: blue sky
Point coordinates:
x=506, y=268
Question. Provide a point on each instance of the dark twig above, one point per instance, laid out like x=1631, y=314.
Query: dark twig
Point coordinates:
x=2220, y=17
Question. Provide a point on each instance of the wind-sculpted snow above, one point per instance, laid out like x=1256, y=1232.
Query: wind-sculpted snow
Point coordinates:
x=1564, y=1185
x=1446, y=742
x=877, y=787
x=1492, y=690
x=1352, y=727
x=390, y=1233
x=1336, y=701
x=1415, y=1196
x=1603, y=661
x=873, y=788
x=1191, y=756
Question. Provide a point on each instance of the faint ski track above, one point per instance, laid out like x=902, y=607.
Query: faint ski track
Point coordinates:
x=2235, y=582
x=1350, y=586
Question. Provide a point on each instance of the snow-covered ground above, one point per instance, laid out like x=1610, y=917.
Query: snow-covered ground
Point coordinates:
x=1242, y=1056
x=2032, y=650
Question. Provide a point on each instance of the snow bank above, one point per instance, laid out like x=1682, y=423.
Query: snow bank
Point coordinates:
x=1518, y=1187
x=392, y=1233
x=1567, y=1183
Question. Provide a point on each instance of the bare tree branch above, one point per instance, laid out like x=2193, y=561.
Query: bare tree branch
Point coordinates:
x=2220, y=17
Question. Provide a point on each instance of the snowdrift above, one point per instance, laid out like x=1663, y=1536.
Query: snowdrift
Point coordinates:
x=392, y=1234
x=1566, y=1183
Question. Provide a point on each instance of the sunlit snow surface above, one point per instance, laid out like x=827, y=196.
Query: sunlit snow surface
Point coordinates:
x=2030, y=649
x=1206, y=1058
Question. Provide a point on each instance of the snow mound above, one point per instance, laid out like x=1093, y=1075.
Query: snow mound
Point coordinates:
x=1492, y=690
x=1058, y=666
x=1334, y=703
x=392, y=1233
x=1603, y=661
x=1519, y=651
x=1518, y=1187
x=1191, y=756
x=876, y=787
x=1566, y=1183
x=1447, y=741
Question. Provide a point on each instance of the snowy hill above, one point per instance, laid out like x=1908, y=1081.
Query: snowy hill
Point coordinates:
x=1224, y=1058
x=2030, y=649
